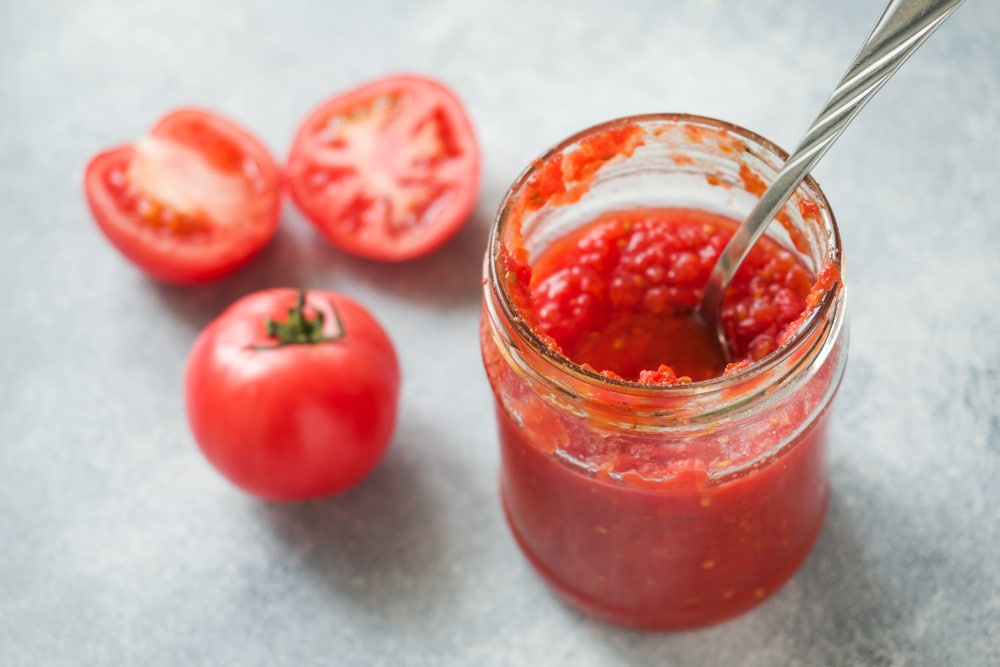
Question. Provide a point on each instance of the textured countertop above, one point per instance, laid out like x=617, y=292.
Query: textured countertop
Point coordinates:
x=119, y=545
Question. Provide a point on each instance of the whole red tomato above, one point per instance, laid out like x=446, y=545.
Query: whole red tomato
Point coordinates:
x=293, y=395
x=191, y=201
x=388, y=170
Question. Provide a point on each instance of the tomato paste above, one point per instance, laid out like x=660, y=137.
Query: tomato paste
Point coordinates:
x=648, y=481
x=618, y=294
x=680, y=551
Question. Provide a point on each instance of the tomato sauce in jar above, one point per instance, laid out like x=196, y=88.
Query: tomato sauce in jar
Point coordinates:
x=648, y=482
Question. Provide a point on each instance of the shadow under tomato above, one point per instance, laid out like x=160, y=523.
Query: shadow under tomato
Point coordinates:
x=277, y=265
x=378, y=545
x=448, y=278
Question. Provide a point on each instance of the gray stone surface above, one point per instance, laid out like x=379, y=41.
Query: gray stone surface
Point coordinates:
x=121, y=546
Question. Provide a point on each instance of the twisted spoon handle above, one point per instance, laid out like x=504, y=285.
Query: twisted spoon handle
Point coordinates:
x=902, y=28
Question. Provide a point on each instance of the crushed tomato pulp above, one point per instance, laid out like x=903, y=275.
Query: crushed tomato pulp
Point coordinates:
x=656, y=522
x=618, y=294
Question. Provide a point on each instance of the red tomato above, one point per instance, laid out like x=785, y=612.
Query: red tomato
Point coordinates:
x=191, y=201
x=293, y=396
x=388, y=171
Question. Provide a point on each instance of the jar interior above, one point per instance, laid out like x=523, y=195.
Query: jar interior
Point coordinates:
x=690, y=163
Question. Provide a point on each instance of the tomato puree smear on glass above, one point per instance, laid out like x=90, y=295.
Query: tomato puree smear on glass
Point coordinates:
x=648, y=482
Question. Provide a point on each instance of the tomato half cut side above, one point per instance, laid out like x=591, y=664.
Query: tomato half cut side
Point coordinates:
x=191, y=201
x=389, y=170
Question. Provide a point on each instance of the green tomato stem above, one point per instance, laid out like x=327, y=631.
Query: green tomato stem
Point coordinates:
x=299, y=328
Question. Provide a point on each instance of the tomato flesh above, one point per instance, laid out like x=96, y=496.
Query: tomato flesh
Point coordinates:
x=387, y=171
x=192, y=201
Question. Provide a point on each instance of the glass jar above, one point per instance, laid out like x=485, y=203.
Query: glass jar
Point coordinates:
x=728, y=487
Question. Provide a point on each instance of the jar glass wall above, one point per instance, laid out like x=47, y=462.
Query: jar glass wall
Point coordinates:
x=661, y=506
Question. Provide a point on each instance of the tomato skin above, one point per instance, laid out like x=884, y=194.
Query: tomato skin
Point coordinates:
x=389, y=170
x=297, y=421
x=174, y=224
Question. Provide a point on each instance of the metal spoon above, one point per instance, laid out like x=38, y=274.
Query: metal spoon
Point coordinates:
x=902, y=28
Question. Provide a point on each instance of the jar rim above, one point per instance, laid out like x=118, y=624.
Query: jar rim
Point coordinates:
x=819, y=314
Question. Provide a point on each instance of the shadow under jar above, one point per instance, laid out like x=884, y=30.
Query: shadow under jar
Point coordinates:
x=644, y=498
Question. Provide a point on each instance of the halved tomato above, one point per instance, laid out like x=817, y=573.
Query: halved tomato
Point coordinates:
x=389, y=170
x=191, y=201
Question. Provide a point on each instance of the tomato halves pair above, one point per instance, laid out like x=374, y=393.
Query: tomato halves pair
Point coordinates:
x=388, y=171
x=293, y=395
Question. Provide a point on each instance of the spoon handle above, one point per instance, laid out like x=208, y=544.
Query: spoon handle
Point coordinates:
x=902, y=28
